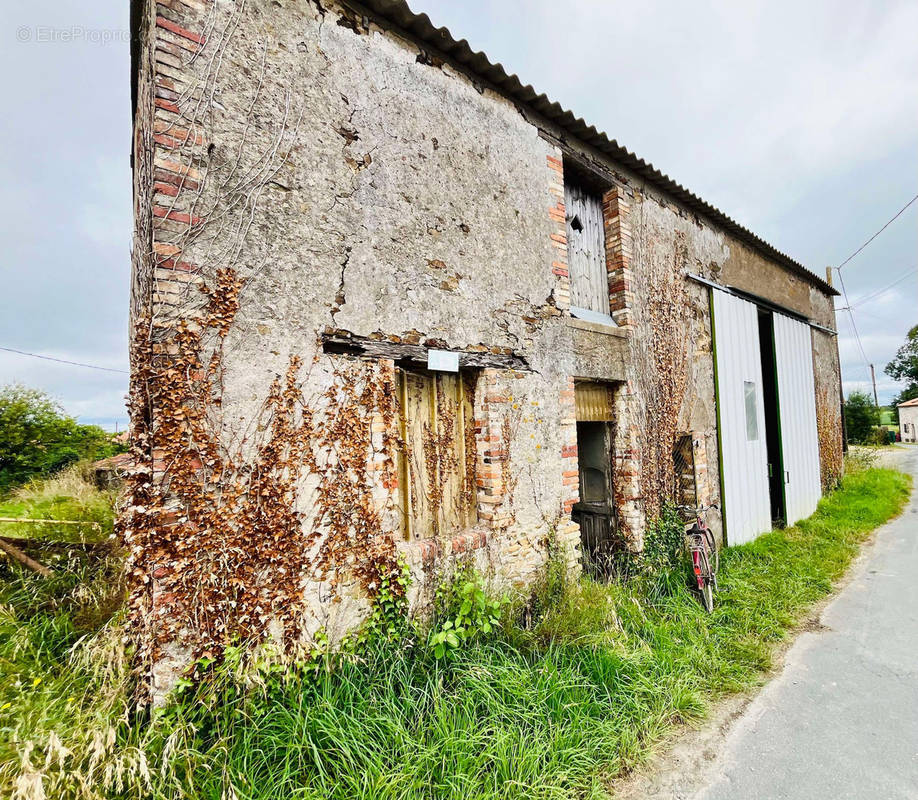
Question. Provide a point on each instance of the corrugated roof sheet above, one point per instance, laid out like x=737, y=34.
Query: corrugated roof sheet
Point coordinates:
x=399, y=14
x=908, y=403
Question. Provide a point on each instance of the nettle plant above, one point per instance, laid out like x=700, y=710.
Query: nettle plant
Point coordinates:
x=465, y=612
x=664, y=541
x=389, y=620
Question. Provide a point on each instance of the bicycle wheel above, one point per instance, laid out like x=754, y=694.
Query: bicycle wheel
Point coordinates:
x=708, y=594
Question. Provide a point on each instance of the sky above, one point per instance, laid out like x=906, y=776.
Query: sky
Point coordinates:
x=799, y=120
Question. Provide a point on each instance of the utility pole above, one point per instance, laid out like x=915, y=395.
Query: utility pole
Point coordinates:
x=876, y=402
x=841, y=391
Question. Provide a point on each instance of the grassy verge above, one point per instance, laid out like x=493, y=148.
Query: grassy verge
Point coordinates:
x=547, y=712
x=69, y=495
x=56, y=663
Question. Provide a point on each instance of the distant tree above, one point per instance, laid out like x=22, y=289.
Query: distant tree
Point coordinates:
x=861, y=417
x=37, y=438
x=904, y=367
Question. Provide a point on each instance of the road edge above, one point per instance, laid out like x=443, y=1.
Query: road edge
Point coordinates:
x=683, y=762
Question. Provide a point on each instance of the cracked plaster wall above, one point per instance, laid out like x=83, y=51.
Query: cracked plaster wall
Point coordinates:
x=397, y=199
x=664, y=234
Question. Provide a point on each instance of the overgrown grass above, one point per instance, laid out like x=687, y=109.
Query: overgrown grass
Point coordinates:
x=547, y=712
x=68, y=495
x=59, y=657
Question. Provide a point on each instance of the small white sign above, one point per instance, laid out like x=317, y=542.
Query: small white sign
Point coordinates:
x=442, y=361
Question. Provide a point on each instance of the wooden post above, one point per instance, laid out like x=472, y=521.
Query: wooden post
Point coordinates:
x=17, y=555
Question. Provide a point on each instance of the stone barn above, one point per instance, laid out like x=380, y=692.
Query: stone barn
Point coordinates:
x=392, y=309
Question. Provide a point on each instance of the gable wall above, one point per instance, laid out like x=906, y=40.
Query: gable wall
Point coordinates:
x=315, y=175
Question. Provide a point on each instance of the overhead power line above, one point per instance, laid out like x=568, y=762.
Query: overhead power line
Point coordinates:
x=64, y=361
x=898, y=214
x=848, y=306
x=873, y=295
x=857, y=336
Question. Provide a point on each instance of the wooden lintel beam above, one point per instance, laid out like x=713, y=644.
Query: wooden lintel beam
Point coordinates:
x=415, y=355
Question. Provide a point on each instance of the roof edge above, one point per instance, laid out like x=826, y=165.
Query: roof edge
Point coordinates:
x=419, y=27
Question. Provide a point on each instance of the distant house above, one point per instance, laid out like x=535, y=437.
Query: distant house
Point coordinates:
x=109, y=472
x=908, y=420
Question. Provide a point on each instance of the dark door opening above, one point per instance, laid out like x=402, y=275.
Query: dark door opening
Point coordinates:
x=595, y=512
x=772, y=418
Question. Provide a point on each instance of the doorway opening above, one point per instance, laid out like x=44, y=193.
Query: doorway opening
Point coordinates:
x=772, y=418
x=595, y=511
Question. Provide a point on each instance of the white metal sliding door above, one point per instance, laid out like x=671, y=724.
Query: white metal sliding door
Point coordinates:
x=797, y=410
x=741, y=418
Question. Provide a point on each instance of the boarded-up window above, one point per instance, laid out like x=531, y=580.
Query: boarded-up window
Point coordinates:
x=586, y=252
x=594, y=402
x=438, y=460
x=685, y=489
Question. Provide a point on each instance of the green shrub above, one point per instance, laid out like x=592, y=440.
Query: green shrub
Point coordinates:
x=861, y=418
x=880, y=436
x=388, y=621
x=38, y=439
x=463, y=612
x=664, y=541
x=662, y=559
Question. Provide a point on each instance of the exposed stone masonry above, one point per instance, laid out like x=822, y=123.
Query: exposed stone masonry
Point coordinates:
x=366, y=190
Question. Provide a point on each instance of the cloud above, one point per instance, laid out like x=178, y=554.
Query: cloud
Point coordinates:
x=83, y=393
x=65, y=204
x=805, y=131
x=104, y=218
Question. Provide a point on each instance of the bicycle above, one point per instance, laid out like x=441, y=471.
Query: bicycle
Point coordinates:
x=700, y=543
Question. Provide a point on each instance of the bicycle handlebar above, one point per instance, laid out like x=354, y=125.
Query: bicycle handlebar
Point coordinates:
x=699, y=509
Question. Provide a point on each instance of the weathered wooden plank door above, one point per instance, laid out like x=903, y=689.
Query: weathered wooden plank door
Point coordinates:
x=417, y=398
x=595, y=511
x=457, y=508
x=586, y=250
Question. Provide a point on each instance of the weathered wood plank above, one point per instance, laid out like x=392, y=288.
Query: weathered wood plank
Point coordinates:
x=586, y=250
x=418, y=414
x=435, y=412
x=415, y=355
x=17, y=555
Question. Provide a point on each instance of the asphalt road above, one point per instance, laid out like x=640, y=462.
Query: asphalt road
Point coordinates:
x=841, y=721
